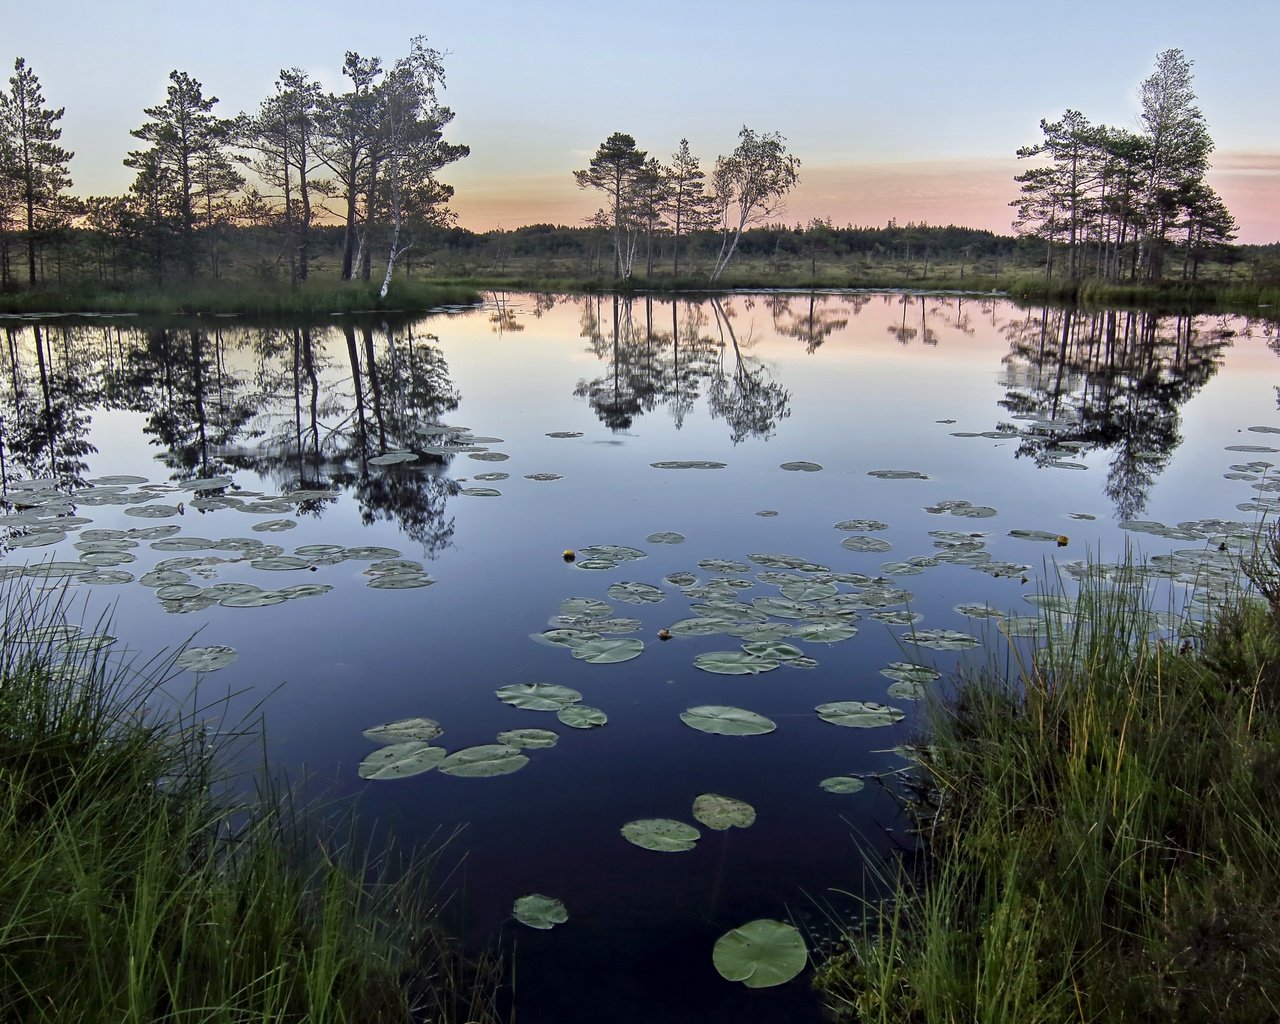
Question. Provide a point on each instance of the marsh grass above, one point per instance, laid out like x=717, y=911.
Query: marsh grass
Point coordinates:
x=135, y=886
x=1099, y=830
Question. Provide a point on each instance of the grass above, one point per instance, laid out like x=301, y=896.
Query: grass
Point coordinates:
x=1099, y=835
x=241, y=298
x=135, y=888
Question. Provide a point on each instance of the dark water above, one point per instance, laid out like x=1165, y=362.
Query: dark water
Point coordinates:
x=1096, y=420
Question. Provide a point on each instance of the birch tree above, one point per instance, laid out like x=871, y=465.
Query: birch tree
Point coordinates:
x=750, y=186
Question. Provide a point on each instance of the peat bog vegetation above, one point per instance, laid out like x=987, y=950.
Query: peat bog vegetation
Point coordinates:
x=728, y=633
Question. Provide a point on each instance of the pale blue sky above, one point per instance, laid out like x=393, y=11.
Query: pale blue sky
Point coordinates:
x=912, y=109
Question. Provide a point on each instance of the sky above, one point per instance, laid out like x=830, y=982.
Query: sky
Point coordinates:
x=903, y=109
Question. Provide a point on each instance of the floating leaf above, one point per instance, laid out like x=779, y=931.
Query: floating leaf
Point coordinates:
x=608, y=652
x=541, y=912
x=941, y=639
x=636, y=593
x=152, y=511
x=401, y=581
x=257, y=599
x=801, y=467
x=688, y=464
x=281, y=563
x=565, y=637
x=760, y=954
x=859, y=714
x=767, y=513
x=393, y=458
x=579, y=716
x=824, y=632
x=726, y=721
x=538, y=696
x=978, y=611
x=701, y=626
x=488, y=456
x=723, y=812
x=905, y=671
x=681, y=579
x=734, y=663
x=493, y=476
x=484, y=761
x=1040, y=535
x=481, y=492
x=774, y=649
x=401, y=760
x=865, y=544
x=663, y=835
x=722, y=565
x=528, y=739
x=807, y=590
x=897, y=474
x=842, y=784
x=369, y=553
x=669, y=537
x=274, y=526
x=565, y=433
x=543, y=476
x=206, y=659
x=862, y=525
x=422, y=730
x=586, y=607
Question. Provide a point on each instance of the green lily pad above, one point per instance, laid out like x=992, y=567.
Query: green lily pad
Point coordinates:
x=152, y=511
x=87, y=643
x=565, y=433
x=543, y=476
x=485, y=761
x=978, y=611
x=529, y=739
x=859, y=543
x=760, y=954
x=861, y=525
x=481, y=492
x=608, y=652
x=206, y=659
x=941, y=639
x=538, y=696
x=688, y=464
x=489, y=456
x=842, y=784
x=859, y=714
x=421, y=730
x=681, y=579
x=401, y=760
x=724, y=720
x=565, y=637
x=1040, y=535
x=393, y=458
x=668, y=537
x=274, y=526
x=281, y=563
x=824, y=632
x=897, y=474
x=808, y=590
x=636, y=593
x=487, y=477
x=369, y=553
x=541, y=912
x=801, y=467
x=700, y=626
x=906, y=689
x=663, y=835
x=767, y=513
x=182, y=544
x=906, y=671
x=260, y=599
x=723, y=812
x=734, y=663
x=585, y=607
x=401, y=581
x=579, y=716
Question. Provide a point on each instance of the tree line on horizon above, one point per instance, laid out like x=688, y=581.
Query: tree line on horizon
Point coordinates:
x=374, y=151
x=1116, y=204
x=265, y=190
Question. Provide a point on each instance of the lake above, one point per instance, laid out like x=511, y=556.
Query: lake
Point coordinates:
x=806, y=490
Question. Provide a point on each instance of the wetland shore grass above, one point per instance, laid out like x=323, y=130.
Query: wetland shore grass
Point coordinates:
x=1098, y=829
x=136, y=886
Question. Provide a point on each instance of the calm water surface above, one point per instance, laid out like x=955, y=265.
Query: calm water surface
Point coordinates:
x=1062, y=425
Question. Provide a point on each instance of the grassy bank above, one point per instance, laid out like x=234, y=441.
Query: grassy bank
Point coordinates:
x=1100, y=836
x=131, y=891
x=241, y=298
x=460, y=284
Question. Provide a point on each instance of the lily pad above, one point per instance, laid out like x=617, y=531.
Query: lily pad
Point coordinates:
x=905, y=671
x=393, y=458
x=724, y=720
x=422, y=730
x=565, y=433
x=734, y=663
x=941, y=639
x=859, y=714
x=842, y=784
x=401, y=581
x=663, y=835
x=401, y=760
x=538, y=696
x=258, y=599
x=608, y=652
x=1040, y=535
x=484, y=761
x=281, y=563
x=897, y=474
x=861, y=525
x=543, y=476
x=487, y=477
x=481, y=492
x=541, y=912
x=760, y=954
x=801, y=467
x=668, y=537
x=579, y=716
x=774, y=649
x=824, y=632
x=274, y=526
x=529, y=739
x=636, y=593
x=723, y=812
x=206, y=659
x=488, y=456
x=688, y=464
x=152, y=511
x=859, y=543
